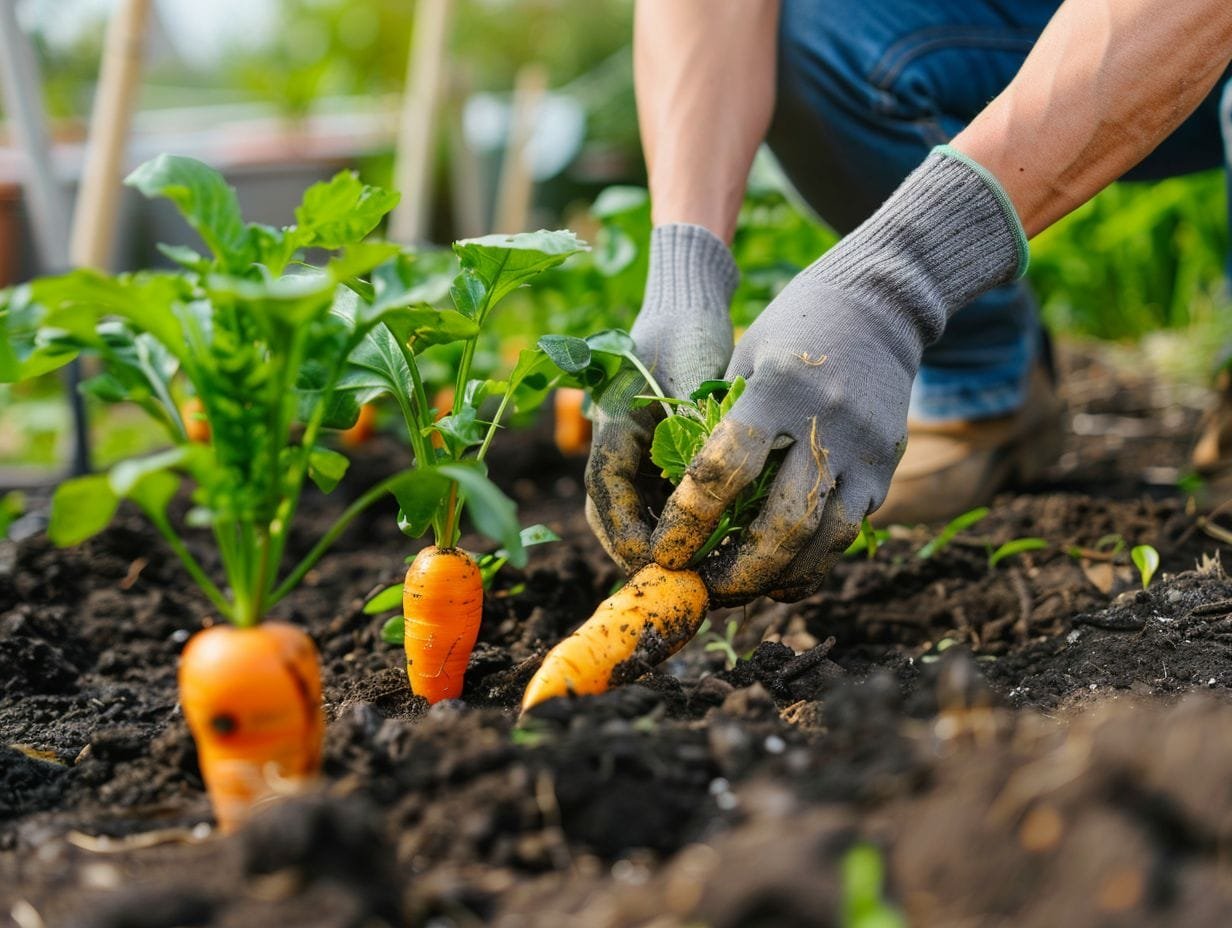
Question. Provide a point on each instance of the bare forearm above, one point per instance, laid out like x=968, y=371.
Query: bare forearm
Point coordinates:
x=704, y=75
x=1106, y=83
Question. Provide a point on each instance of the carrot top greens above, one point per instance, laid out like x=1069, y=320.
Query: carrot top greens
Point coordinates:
x=279, y=349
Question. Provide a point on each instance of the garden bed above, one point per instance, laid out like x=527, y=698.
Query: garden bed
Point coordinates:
x=1037, y=744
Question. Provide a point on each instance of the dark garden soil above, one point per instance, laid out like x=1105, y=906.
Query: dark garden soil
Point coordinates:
x=1037, y=744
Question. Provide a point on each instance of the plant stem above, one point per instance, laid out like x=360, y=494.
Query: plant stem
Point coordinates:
x=716, y=538
x=330, y=536
x=495, y=424
x=650, y=381
x=451, y=517
x=192, y=566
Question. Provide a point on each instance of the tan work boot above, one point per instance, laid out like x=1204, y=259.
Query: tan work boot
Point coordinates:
x=951, y=467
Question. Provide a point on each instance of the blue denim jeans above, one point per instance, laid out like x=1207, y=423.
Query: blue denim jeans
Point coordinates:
x=867, y=87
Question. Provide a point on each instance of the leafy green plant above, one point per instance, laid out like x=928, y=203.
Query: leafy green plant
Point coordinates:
x=1108, y=547
x=951, y=530
x=1146, y=559
x=261, y=337
x=863, y=879
x=1012, y=548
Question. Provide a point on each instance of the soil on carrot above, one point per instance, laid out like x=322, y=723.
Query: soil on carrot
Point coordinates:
x=1040, y=742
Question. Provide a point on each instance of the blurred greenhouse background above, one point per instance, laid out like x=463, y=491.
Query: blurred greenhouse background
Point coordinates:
x=280, y=93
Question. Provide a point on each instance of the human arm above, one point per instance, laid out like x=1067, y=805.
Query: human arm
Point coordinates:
x=830, y=362
x=704, y=75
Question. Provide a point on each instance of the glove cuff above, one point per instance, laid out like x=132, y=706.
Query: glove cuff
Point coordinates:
x=689, y=266
x=948, y=234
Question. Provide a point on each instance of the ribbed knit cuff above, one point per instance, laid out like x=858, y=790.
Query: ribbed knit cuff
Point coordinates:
x=948, y=234
x=689, y=266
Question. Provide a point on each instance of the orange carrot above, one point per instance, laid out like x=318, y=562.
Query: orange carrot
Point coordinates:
x=572, y=429
x=196, y=425
x=647, y=620
x=442, y=605
x=363, y=429
x=252, y=698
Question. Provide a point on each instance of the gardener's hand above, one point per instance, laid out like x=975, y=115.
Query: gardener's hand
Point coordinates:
x=829, y=366
x=683, y=335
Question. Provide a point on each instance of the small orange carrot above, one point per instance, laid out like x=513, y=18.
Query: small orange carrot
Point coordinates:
x=442, y=605
x=647, y=620
x=252, y=699
x=196, y=425
x=572, y=429
x=363, y=429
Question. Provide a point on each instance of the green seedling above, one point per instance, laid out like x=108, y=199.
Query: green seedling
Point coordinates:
x=1013, y=548
x=1107, y=548
x=863, y=879
x=724, y=643
x=1146, y=559
x=869, y=541
x=951, y=530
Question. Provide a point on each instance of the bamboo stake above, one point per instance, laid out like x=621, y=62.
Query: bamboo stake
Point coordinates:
x=465, y=176
x=425, y=73
x=517, y=183
x=98, y=198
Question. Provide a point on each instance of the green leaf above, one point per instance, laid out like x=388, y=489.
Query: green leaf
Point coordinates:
x=537, y=535
x=709, y=388
x=613, y=341
x=571, y=355
x=408, y=280
x=205, y=200
x=80, y=509
x=393, y=631
x=505, y=262
x=467, y=292
x=154, y=492
x=361, y=258
x=677, y=439
x=426, y=325
x=951, y=530
x=386, y=599
x=1146, y=559
x=340, y=211
x=461, y=430
x=491, y=511
x=1017, y=546
x=126, y=475
x=420, y=495
x=26, y=350
x=326, y=467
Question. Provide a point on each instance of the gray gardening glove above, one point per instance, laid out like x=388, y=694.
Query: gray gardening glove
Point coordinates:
x=829, y=365
x=683, y=335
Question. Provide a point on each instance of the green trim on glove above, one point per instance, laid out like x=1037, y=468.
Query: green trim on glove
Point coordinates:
x=1011, y=214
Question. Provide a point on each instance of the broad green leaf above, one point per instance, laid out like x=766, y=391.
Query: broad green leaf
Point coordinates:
x=80, y=509
x=292, y=300
x=361, y=258
x=532, y=379
x=491, y=511
x=419, y=494
x=467, y=292
x=709, y=388
x=26, y=351
x=426, y=325
x=393, y=631
x=505, y=262
x=614, y=341
x=571, y=355
x=205, y=200
x=386, y=599
x=154, y=493
x=461, y=430
x=1146, y=559
x=537, y=535
x=326, y=467
x=125, y=476
x=340, y=211
x=677, y=439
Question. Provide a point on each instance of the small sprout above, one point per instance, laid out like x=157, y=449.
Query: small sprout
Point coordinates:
x=1146, y=559
x=725, y=642
x=1012, y=548
x=394, y=631
x=952, y=529
x=384, y=600
x=864, y=906
x=12, y=505
x=869, y=541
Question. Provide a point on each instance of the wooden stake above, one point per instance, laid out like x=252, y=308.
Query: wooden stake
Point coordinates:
x=425, y=73
x=517, y=184
x=95, y=217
